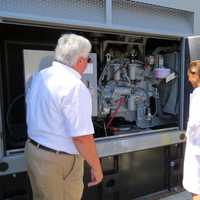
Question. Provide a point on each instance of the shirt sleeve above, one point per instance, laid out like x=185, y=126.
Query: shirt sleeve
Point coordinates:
x=77, y=110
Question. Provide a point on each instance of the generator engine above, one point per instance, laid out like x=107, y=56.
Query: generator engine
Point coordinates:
x=128, y=89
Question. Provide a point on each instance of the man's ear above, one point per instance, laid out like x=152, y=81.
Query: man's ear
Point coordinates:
x=77, y=62
x=81, y=60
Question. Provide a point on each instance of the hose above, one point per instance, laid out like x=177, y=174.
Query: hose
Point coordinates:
x=120, y=102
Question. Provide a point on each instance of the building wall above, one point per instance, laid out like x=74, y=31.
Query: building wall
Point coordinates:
x=192, y=6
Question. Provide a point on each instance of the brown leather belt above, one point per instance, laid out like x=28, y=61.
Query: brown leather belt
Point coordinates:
x=39, y=146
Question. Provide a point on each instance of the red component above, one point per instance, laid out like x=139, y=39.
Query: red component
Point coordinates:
x=146, y=65
x=120, y=102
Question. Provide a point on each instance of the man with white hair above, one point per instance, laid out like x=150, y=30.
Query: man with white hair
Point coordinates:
x=60, y=128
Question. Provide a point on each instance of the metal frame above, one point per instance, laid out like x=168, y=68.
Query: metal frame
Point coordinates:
x=1, y=133
x=16, y=164
x=109, y=146
x=1, y=118
x=115, y=145
x=109, y=12
x=182, y=82
x=106, y=42
x=108, y=21
x=106, y=146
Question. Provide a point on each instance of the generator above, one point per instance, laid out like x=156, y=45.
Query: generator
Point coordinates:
x=136, y=75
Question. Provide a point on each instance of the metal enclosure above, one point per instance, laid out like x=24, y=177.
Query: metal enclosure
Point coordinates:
x=128, y=153
x=17, y=61
x=193, y=47
x=106, y=14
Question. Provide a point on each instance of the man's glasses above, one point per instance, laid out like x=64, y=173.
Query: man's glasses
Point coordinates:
x=89, y=60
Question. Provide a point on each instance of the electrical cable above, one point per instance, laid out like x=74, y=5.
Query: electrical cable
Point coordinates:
x=120, y=102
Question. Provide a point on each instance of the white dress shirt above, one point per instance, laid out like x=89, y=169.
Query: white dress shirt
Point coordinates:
x=191, y=175
x=193, y=126
x=59, y=107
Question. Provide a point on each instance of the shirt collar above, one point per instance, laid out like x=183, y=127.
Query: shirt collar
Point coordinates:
x=69, y=69
x=196, y=90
